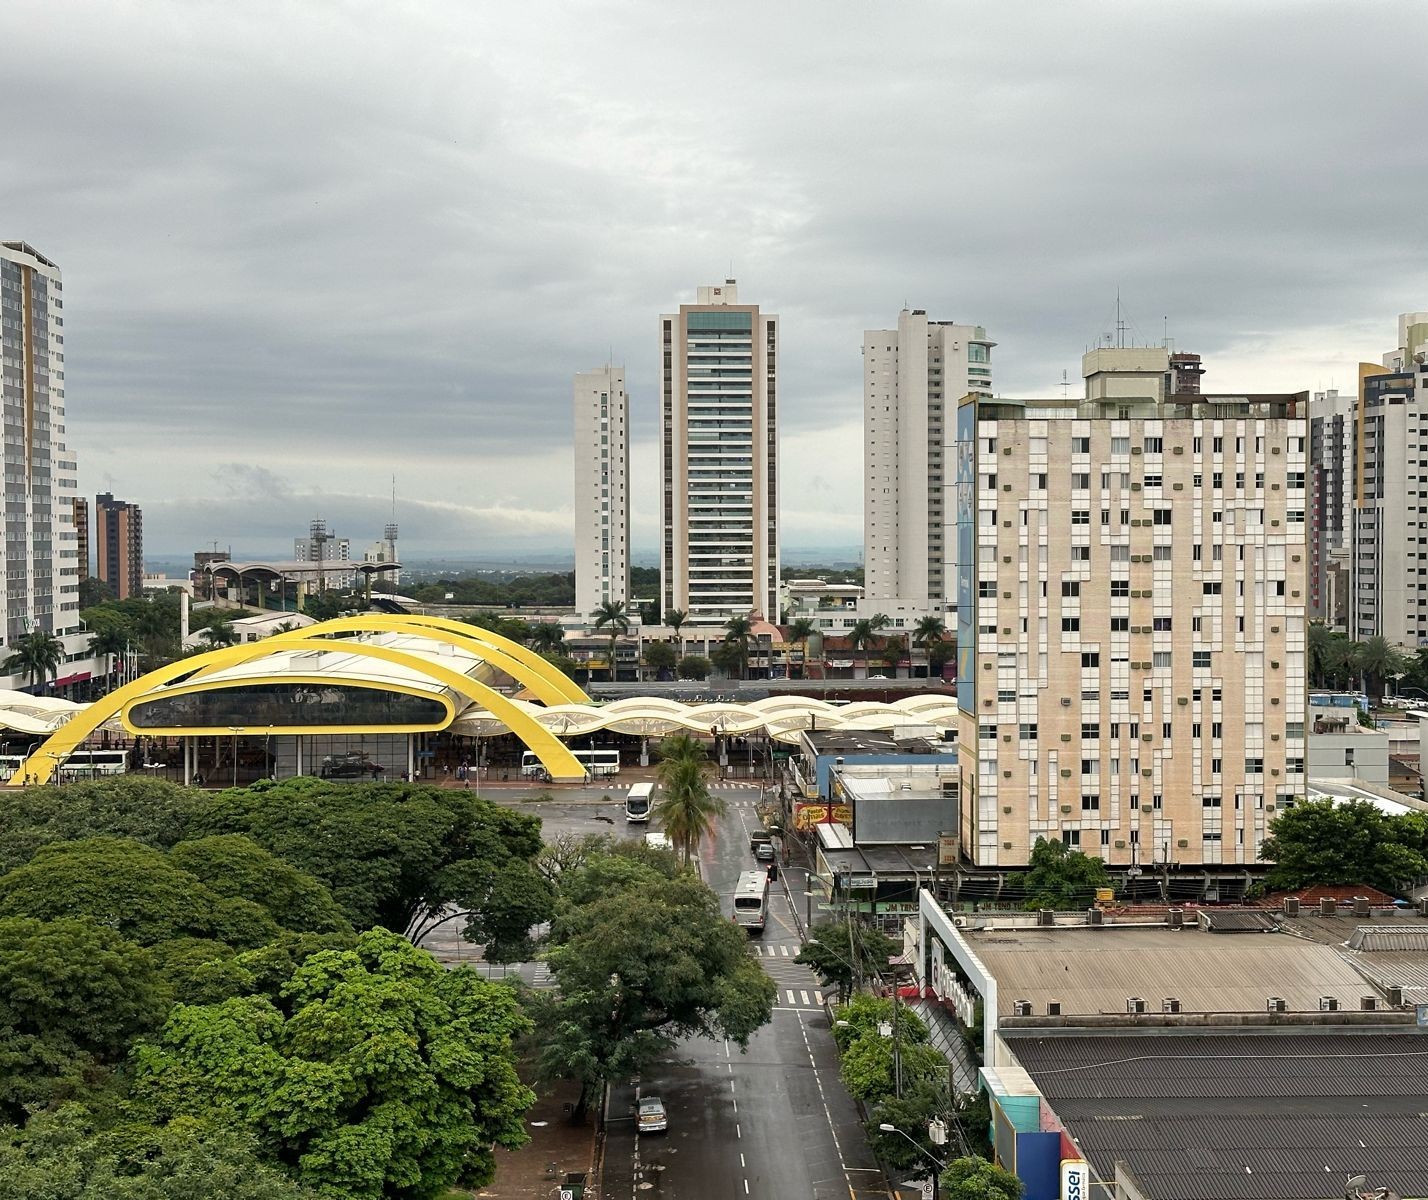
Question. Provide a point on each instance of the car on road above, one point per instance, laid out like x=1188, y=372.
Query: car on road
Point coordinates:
x=764, y=852
x=758, y=837
x=652, y=1118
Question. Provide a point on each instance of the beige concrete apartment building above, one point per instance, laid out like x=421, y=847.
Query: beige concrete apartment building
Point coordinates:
x=719, y=553
x=1131, y=625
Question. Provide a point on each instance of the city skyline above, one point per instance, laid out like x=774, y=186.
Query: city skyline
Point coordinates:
x=524, y=185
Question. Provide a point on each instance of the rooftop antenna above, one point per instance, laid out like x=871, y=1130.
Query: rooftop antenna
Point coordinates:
x=1120, y=324
x=319, y=536
x=389, y=535
x=1065, y=385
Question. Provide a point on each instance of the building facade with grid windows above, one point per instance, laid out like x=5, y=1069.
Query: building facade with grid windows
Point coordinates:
x=1131, y=625
x=602, y=493
x=719, y=552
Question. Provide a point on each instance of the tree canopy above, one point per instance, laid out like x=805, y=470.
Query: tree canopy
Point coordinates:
x=975, y=1178
x=643, y=957
x=1062, y=877
x=396, y=855
x=73, y=995
x=63, y=1156
x=378, y=1074
x=1322, y=841
x=840, y=952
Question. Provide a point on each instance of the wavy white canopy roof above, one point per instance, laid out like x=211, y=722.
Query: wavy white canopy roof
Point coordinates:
x=780, y=717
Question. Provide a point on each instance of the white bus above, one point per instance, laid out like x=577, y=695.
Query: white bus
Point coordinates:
x=638, y=802
x=751, y=900
x=596, y=762
x=81, y=764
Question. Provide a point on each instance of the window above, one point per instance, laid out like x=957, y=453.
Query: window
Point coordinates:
x=1162, y=516
x=1153, y=445
x=1090, y=731
x=1080, y=480
x=1254, y=766
x=1157, y=802
x=1120, y=587
x=1071, y=587
x=1160, y=553
x=1152, y=481
x=1210, y=801
x=987, y=589
x=1195, y=730
x=1028, y=732
x=1080, y=445
x=1080, y=553
x=1071, y=837
x=1160, y=660
x=1217, y=729
x=1070, y=624
x=1161, y=624
x=1210, y=587
x=1217, y=480
x=1200, y=660
x=1006, y=696
x=1090, y=659
x=1120, y=445
x=988, y=733
x=1166, y=731
x=1195, y=552
x=1080, y=516
x=1090, y=803
x=1120, y=554
x=1218, y=446
x=1120, y=624
x=1090, y=766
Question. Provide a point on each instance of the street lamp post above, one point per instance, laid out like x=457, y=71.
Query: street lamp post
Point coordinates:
x=921, y=1149
x=235, y=730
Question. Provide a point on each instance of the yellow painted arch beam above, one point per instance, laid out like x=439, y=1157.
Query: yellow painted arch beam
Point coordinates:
x=42, y=763
x=538, y=666
x=547, y=681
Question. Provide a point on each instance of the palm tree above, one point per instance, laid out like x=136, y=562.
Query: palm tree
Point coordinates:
x=38, y=654
x=681, y=747
x=864, y=634
x=928, y=632
x=612, y=614
x=1321, y=649
x=738, y=631
x=675, y=619
x=547, y=637
x=686, y=810
x=1379, y=659
x=800, y=631
x=220, y=633
x=110, y=643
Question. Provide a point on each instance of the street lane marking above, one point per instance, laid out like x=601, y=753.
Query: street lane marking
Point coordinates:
x=785, y=951
x=791, y=998
x=803, y=996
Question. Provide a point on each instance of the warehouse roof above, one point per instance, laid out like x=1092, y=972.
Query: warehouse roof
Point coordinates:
x=1288, y=1116
x=1095, y=970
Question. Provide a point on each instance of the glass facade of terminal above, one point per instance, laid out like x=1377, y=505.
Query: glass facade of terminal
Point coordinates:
x=287, y=705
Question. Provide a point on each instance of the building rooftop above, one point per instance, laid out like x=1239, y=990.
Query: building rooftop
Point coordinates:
x=1095, y=970
x=1282, y=1116
x=871, y=741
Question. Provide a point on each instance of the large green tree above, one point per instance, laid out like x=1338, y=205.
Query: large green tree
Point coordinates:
x=73, y=996
x=64, y=1156
x=840, y=952
x=1323, y=841
x=380, y=1074
x=975, y=1178
x=234, y=865
x=151, y=811
x=133, y=889
x=643, y=957
x=1062, y=877
x=735, y=648
x=694, y=666
x=400, y=855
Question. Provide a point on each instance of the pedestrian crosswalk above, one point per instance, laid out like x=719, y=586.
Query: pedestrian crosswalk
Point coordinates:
x=739, y=785
x=761, y=951
x=802, y=998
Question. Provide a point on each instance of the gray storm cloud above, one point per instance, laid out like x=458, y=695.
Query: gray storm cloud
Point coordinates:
x=334, y=242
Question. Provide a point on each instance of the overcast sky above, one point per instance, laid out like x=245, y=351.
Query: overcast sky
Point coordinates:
x=309, y=246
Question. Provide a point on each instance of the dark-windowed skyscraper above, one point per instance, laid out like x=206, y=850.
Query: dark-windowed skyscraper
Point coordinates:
x=119, y=545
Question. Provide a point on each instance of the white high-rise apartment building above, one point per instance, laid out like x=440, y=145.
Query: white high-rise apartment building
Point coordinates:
x=913, y=377
x=1331, y=504
x=602, y=493
x=1389, y=593
x=719, y=458
x=41, y=555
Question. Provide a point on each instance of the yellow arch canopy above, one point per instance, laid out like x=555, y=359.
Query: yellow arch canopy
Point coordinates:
x=43, y=762
x=548, y=682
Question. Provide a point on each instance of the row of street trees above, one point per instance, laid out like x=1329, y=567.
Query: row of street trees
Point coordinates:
x=1337, y=661
x=205, y=993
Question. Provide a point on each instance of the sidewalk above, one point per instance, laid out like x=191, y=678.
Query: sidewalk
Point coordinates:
x=535, y=1170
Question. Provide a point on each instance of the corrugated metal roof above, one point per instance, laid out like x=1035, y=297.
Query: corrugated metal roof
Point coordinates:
x=1095, y=970
x=1253, y=1117
x=1390, y=937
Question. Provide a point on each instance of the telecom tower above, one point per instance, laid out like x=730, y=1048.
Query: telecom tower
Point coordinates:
x=319, y=537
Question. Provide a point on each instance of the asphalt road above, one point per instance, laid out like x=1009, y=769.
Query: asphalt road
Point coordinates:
x=770, y=1122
